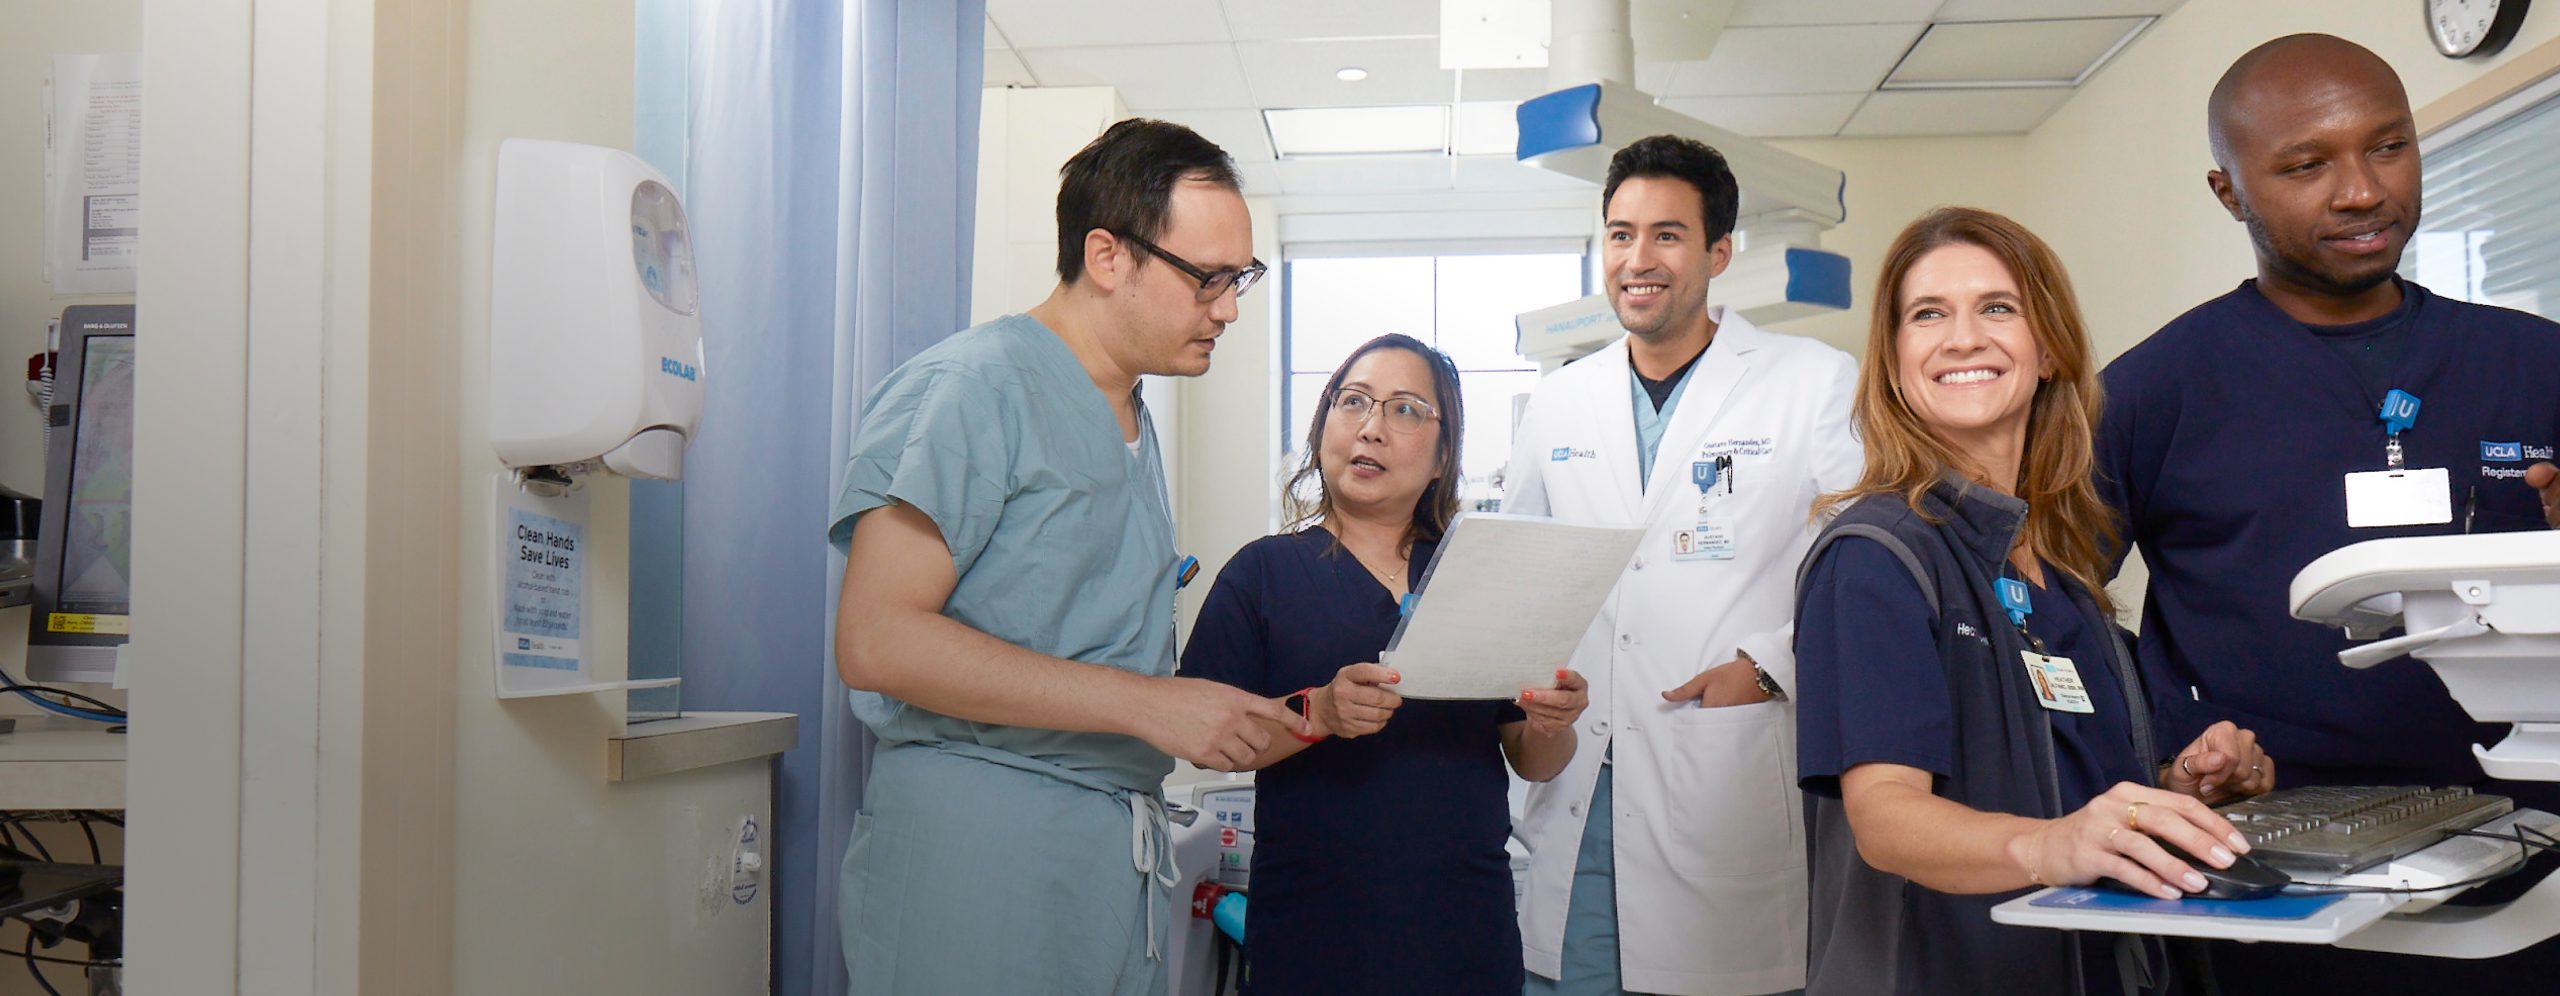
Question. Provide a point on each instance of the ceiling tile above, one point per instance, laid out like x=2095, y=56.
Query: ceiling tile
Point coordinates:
x=1365, y=175
x=1788, y=116
x=1492, y=34
x=1240, y=132
x=1326, y=131
x=1834, y=59
x=1261, y=178
x=1006, y=69
x=995, y=38
x=2028, y=10
x=1295, y=20
x=1300, y=74
x=1956, y=112
x=1075, y=23
x=2012, y=51
x=1506, y=173
x=1671, y=30
x=1781, y=13
x=1149, y=77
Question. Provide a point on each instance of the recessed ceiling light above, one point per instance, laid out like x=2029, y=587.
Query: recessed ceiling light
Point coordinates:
x=1335, y=131
x=1351, y=74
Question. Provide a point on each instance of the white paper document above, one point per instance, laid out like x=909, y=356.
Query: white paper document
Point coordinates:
x=1503, y=603
x=93, y=174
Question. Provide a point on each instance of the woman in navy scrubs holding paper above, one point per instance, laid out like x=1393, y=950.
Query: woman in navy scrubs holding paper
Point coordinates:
x=1378, y=861
x=1971, y=723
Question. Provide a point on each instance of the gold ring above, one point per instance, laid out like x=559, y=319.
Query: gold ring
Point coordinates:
x=2133, y=816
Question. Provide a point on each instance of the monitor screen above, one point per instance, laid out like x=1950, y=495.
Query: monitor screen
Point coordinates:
x=84, y=554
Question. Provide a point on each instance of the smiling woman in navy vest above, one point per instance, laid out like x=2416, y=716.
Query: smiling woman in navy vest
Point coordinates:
x=1971, y=723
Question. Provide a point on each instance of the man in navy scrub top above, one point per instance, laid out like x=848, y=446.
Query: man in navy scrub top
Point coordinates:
x=2228, y=437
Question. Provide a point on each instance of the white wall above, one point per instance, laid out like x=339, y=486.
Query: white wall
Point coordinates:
x=565, y=882
x=326, y=795
x=1024, y=135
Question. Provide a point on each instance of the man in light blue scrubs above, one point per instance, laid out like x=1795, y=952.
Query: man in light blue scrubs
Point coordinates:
x=1007, y=617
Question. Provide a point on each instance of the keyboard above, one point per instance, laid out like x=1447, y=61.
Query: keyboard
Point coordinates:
x=2337, y=829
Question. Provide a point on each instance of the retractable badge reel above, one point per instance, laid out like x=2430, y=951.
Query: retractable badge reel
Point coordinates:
x=1712, y=538
x=2397, y=495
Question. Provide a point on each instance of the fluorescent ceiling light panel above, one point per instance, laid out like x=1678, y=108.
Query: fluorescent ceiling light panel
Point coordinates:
x=1346, y=131
x=1994, y=54
x=1487, y=128
x=1493, y=34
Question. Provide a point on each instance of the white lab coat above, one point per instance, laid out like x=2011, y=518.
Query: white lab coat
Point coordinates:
x=1709, y=828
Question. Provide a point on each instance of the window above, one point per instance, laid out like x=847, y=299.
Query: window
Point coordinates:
x=2489, y=234
x=1464, y=305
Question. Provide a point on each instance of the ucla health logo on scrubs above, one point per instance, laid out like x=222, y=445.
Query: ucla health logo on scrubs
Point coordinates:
x=2509, y=453
x=1564, y=453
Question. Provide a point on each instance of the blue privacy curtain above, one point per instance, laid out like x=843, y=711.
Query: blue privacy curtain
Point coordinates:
x=831, y=181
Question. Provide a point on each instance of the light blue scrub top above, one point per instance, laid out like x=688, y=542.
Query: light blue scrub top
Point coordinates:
x=1650, y=423
x=1061, y=536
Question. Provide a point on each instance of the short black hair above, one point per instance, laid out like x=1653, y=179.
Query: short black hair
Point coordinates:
x=1122, y=182
x=1683, y=159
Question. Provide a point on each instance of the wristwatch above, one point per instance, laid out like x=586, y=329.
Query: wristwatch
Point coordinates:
x=1760, y=676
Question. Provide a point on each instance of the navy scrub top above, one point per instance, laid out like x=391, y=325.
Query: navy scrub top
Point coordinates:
x=2226, y=439
x=1378, y=861
x=1876, y=692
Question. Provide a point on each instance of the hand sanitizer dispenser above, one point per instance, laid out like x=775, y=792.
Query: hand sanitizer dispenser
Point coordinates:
x=595, y=341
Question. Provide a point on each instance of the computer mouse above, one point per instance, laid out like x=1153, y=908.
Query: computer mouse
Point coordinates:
x=2247, y=878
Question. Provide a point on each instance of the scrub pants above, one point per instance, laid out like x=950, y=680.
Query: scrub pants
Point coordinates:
x=965, y=876
x=1591, y=913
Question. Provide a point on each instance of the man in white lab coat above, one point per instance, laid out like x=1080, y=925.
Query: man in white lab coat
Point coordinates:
x=1669, y=856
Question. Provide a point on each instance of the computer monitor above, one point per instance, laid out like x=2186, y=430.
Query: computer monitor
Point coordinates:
x=83, y=607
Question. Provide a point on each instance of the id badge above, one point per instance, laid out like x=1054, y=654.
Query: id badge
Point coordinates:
x=2399, y=498
x=2057, y=683
x=1695, y=544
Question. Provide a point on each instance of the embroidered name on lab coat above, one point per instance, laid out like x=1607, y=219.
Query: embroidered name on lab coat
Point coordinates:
x=1757, y=446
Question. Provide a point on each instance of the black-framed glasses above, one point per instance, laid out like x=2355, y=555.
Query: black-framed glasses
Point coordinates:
x=1211, y=284
x=1404, y=415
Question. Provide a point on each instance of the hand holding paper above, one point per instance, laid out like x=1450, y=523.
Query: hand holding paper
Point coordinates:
x=1506, y=598
x=1357, y=703
x=1553, y=710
